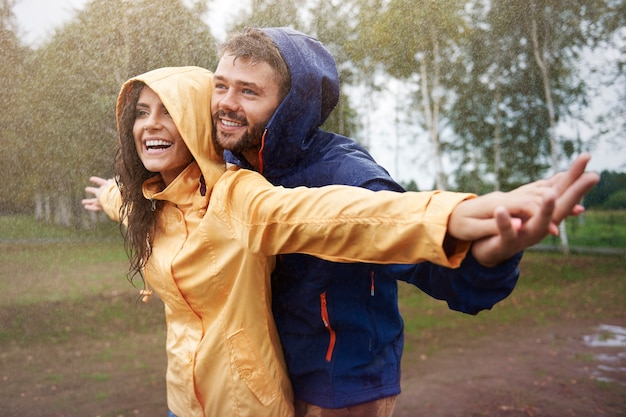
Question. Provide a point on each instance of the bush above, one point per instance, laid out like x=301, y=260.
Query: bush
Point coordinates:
x=616, y=201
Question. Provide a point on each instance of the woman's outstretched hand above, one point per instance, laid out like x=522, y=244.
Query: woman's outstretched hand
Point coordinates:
x=93, y=204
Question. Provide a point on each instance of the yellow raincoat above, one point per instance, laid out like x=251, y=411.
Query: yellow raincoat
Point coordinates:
x=214, y=249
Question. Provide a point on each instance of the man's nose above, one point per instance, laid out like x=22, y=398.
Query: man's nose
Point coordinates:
x=228, y=101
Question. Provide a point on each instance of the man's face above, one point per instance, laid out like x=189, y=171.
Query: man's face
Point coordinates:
x=243, y=101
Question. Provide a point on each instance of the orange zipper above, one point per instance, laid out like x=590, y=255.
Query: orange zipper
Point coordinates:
x=333, y=336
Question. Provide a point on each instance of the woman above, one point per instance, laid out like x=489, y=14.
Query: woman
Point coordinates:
x=204, y=238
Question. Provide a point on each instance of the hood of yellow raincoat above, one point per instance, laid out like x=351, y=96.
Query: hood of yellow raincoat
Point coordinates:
x=186, y=94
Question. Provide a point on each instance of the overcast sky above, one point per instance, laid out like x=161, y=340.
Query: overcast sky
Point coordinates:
x=37, y=20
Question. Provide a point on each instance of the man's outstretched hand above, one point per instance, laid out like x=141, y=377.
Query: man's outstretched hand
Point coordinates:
x=502, y=224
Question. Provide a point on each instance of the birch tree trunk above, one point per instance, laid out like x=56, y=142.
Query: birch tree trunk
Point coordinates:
x=497, y=136
x=542, y=58
x=432, y=110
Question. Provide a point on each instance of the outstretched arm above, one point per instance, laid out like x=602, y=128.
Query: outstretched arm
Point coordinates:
x=524, y=216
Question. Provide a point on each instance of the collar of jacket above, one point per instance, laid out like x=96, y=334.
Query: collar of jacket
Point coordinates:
x=185, y=189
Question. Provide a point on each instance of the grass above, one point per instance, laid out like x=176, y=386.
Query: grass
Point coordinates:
x=604, y=229
x=24, y=227
x=78, y=285
x=65, y=296
x=58, y=283
x=551, y=287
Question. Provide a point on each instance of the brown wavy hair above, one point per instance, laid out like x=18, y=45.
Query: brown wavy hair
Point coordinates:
x=137, y=213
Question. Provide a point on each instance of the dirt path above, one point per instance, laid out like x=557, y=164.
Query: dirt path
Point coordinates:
x=540, y=371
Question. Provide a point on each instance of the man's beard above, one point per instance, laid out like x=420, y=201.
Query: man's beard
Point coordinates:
x=250, y=140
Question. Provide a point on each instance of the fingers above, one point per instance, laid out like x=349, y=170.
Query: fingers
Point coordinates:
x=541, y=224
x=92, y=190
x=99, y=181
x=507, y=227
x=570, y=187
x=91, y=204
x=563, y=181
x=577, y=210
x=569, y=200
x=539, y=207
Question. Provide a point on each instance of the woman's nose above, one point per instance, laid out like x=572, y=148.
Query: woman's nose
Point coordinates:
x=152, y=123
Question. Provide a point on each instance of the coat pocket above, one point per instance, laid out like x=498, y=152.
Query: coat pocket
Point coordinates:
x=251, y=368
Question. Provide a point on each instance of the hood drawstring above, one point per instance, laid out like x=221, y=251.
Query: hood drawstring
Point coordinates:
x=146, y=293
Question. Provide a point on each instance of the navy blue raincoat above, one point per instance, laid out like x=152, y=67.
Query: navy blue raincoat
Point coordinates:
x=339, y=324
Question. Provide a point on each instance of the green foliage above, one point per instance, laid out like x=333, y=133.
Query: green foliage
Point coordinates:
x=501, y=113
x=411, y=186
x=610, y=183
x=66, y=104
x=273, y=13
x=473, y=58
x=616, y=201
x=12, y=64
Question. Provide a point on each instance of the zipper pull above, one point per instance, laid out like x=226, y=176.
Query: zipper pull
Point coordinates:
x=372, y=285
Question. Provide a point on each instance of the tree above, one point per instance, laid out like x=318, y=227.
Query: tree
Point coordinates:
x=610, y=183
x=416, y=41
x=499, y=110
x=522, y=78
x=80, y=72
x=12, y=58
x=557, y=30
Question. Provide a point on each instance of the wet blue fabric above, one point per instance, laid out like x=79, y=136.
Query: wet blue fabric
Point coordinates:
x=358, y=301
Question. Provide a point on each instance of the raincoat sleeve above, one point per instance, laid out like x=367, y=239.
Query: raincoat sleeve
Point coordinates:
x=468, y=289
x=111, y=201
x=338, y=223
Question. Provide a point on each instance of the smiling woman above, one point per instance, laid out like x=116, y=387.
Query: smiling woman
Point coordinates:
x=159, y=145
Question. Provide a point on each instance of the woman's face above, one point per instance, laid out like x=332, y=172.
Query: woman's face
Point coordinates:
x=159, y=145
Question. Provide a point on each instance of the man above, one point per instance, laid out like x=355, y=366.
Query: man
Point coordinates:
x=339, y=324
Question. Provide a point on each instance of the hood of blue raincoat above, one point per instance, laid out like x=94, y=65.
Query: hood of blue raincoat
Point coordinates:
x=314, y=93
